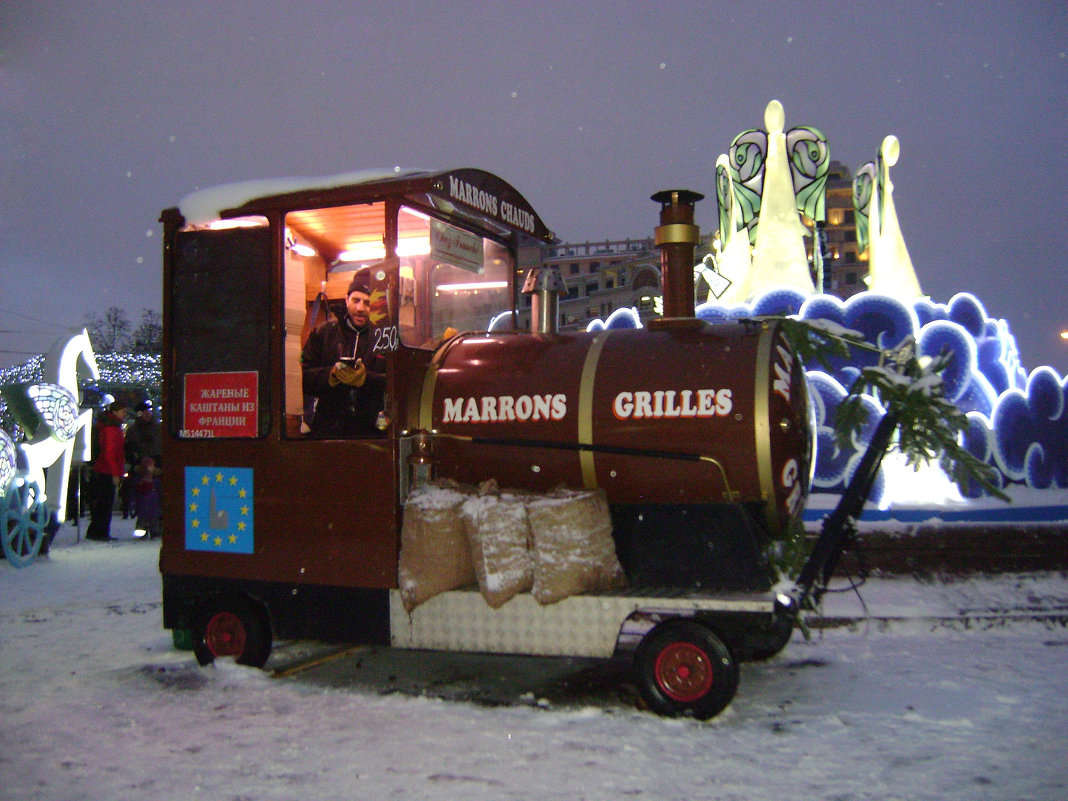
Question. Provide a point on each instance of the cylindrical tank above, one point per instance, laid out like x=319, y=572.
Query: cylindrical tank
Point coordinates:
x=682, y=412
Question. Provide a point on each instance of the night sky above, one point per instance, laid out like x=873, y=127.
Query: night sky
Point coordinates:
x=111, y=111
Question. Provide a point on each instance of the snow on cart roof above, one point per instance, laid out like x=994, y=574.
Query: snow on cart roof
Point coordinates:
x=468, y=191
x=205, y=205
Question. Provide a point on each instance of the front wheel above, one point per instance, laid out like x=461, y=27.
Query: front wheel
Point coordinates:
x=683, y=668
x=232, y=627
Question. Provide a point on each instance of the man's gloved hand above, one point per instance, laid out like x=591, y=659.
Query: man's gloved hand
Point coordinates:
x=353, y=376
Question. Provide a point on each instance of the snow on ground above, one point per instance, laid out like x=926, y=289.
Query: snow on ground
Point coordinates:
x=96, y=704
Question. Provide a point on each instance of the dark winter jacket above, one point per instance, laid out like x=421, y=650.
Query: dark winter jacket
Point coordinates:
x=342, y=411
x=142, y=439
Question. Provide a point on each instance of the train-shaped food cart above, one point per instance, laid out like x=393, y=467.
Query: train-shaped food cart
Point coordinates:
x=637, y=480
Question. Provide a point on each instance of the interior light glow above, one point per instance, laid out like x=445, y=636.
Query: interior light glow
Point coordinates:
x=364, y=251
x=376, y=251
x=472, y=286
x=414, y=213
x=302, y=250
x=416, y=246
x=238, y=222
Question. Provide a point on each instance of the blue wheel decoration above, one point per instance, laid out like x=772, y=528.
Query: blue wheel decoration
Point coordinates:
x=778, y=301
x=928, y=312
x=946, y=336
x=1014, y=431
x=831, y=461
x=847, y=376
x=1044, y=394
x=825, y=394
x=978, y=438
x=712, y=313
x=740, y=312
x=622, y=319
x=998, y=376
x=874, y=413
x=966, y=310
x=1038, y=471
x=25, y=519
x=989, y=350
x=979, y=396
x=824, y=307
x=884, y=321
x=829, y=308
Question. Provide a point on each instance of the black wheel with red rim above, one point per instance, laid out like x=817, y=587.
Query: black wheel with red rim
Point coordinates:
x=232, y=627
x=683, y=668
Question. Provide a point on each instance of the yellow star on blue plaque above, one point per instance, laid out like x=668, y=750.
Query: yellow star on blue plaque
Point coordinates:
x=219, y=509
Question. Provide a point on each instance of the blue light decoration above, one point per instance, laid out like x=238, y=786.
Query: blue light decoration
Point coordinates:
x=1018, y=420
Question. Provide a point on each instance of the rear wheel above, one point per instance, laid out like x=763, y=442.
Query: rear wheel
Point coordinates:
x=234, y=627
x=683, y=668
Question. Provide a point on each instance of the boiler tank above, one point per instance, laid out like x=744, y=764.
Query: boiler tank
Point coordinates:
x=682, y=412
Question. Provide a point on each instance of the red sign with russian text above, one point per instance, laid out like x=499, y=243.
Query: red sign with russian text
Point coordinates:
x=221, y=405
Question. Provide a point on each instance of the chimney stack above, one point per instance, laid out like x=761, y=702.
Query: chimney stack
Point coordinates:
x=677, y=237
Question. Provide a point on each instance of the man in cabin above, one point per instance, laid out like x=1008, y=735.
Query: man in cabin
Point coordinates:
x=342, y=371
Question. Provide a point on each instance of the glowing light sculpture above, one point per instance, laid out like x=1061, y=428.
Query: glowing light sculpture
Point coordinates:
x=890, y=269
x=779, y=257
x=733, y=258
x=57, y=429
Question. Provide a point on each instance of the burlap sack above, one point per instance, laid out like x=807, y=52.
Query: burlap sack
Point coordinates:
x=573, y=547
x=434, y=556
x=499, y=537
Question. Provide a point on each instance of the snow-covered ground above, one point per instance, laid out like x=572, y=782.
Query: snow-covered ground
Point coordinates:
x=96, y=704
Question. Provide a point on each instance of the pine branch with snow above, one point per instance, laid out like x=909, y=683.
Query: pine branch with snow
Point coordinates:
x=930, y=426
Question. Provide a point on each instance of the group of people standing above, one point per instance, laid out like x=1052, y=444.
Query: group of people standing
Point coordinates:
x=125, y=453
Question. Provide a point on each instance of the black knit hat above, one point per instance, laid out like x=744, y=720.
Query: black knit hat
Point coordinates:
x=361, y=282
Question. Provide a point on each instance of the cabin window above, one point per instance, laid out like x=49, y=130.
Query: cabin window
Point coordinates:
x=449, y=278
x=324, y=250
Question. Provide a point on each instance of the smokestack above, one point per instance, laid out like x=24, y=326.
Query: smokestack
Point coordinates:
x=545, y=286
x=677, y=237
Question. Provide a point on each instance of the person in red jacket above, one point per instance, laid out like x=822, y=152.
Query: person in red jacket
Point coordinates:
x=109, y=465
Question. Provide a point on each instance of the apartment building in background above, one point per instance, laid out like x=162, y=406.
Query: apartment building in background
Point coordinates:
x=601, y=277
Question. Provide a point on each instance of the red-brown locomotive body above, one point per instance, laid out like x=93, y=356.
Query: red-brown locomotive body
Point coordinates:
x=697, y=434
x=680, y=413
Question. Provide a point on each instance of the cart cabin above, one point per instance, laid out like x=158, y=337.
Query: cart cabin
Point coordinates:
x=250, y=272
